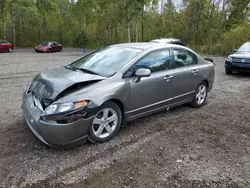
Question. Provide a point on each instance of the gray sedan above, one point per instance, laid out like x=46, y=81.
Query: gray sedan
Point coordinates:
x=92, y=97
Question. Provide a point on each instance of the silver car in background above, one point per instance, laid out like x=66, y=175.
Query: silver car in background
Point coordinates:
x=92, y=97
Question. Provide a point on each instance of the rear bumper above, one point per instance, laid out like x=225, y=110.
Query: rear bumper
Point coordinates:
x=242, y=67
x=52, y=133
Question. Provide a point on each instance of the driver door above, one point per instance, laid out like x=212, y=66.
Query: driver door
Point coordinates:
x=153, y=92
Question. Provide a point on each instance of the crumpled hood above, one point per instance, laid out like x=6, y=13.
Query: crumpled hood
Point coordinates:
x=245, y=55
x=51, y=83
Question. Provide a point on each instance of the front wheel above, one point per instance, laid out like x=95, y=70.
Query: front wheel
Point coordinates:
x=10, y=50
x=106, y=123
x=228, y=71
x=200, y=96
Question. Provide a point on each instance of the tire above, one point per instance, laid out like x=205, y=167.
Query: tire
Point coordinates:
x=10, y=50
x=228, y=71
x=200, y=97
x=101, y=130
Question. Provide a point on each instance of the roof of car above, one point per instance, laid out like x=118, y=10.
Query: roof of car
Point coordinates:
x=145, y=45
x=166, y=40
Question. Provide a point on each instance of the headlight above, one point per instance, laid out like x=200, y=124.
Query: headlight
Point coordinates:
x=64, y=107
x=229, y=59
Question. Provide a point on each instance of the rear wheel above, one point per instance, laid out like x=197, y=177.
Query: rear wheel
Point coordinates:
x=200, y=96
x=106, y=123
x=228, y=71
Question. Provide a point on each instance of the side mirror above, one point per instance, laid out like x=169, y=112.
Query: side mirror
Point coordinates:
x=209, y=59
x=142, y=72
x=235, y=50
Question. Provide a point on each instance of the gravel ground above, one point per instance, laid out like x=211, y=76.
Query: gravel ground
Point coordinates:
x=182, y=147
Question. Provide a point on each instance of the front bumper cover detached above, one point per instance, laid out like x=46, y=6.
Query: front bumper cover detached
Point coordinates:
x=53, y=133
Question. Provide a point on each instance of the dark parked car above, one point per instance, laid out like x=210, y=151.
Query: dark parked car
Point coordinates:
x=6, y=46
x=91, y=97
x=49, y=47
x=239, y=61
x=169, y=41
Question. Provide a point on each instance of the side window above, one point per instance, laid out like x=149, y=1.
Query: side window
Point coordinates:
x=183, y=58
x=155, y=61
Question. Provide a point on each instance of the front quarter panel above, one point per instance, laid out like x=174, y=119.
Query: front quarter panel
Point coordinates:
x=98, y=93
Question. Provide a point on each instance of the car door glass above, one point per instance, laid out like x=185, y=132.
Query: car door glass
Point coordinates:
x=183, y=58
x=155, y=61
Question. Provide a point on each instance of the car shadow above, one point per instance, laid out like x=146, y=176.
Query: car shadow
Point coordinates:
x=241, y=74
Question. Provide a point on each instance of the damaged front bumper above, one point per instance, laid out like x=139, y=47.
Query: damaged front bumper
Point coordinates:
x=51, y=132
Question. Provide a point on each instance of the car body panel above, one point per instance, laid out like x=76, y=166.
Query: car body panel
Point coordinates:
x=149, y=95
x=53, y=133
x=51, y=83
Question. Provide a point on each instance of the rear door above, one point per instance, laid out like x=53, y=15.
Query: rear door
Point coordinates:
x=53, y=47
x=57, y=47
x=185, y=72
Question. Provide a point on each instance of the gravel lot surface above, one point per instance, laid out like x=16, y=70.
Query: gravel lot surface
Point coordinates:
x=182, y=147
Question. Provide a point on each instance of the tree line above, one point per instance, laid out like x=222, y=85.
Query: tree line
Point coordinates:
x=209, y=26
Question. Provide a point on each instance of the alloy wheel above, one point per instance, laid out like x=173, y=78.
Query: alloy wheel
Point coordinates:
x=105, y=123
x=201, y=94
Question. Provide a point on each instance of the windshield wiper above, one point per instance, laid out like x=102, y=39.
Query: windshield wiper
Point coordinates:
x=88, y=71
x=70, y=67
x=81, y=69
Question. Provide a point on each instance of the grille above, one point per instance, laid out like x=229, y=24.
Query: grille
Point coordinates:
x=239, y=60
x=44, y=102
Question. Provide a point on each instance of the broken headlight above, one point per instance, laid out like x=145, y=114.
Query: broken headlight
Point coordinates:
x=64, y=107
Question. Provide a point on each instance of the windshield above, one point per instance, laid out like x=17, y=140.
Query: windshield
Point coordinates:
x=244, y=48
x=44, y=44
x=108, y=61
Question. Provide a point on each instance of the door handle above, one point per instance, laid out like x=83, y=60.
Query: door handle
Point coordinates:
x=195, y=71
x=168, y=78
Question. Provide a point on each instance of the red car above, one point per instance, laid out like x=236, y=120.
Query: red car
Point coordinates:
x=49, y=47
x=5, y=46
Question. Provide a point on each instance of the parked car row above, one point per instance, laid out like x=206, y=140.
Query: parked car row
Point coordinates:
x=46, y=47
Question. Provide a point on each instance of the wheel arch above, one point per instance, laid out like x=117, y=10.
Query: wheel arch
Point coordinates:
x=120, y=104
x=206, y=81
